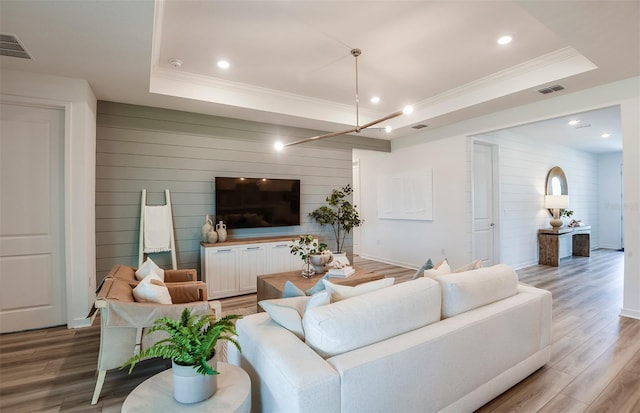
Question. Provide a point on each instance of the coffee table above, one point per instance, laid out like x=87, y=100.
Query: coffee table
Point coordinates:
x=270, y=286
x=156, y=394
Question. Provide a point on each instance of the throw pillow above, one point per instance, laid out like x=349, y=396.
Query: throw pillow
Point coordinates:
x=146, y=268
x=291, y=290
x=288, y=312
x=473, y=265
x=152, y=290
x=426, y=266
x=439, y=269
x=319, y=286
x=340, y=292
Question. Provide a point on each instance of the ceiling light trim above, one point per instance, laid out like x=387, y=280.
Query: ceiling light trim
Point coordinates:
x=193, y=86
x=545, y=69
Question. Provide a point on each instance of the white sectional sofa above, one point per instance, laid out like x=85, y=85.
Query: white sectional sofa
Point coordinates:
x=449, y=344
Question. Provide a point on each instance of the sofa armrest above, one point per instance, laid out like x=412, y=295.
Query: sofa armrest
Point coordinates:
x=171, y=276
x=286, y=375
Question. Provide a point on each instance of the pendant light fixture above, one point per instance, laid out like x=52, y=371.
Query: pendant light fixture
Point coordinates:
x=407, y=110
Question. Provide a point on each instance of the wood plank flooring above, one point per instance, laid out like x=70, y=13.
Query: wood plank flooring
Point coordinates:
x=594, y=367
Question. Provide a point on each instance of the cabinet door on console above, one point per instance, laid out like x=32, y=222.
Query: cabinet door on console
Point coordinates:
x=221, y=270
x=252, y=261
x=282, y=260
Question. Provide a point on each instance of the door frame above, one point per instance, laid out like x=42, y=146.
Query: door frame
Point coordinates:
x=66, y=255
x=495, y=198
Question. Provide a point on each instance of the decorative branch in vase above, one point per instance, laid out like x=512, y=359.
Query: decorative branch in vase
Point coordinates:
x=340, y=214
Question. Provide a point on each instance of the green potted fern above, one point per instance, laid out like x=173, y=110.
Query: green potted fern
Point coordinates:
x=191, y=347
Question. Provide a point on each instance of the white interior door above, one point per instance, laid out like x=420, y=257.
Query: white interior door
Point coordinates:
x=31, y=218
x=356, y=201
x=485, y=232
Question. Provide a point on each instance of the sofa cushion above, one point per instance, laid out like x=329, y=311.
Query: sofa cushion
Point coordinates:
x=289, y=312
x=372, y=317
x=341, y=292
x=467, y=290
x=146, y=268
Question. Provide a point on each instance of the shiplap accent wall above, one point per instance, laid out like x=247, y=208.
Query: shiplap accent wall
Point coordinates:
x=157, y=149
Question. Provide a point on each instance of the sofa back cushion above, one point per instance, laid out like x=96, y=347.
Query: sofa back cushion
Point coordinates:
x=467, y=290
x=375, y=316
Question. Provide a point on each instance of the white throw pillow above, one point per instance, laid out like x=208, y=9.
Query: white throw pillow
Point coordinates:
x=289, y=312
x=146, y=268
x=473, y=265
x=341, y=292
x=152, y=290
x=439, y=269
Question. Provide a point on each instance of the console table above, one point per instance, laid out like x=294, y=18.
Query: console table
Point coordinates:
x=549, y=243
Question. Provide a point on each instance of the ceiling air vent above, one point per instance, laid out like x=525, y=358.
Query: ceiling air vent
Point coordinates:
x=10, y=46
x=419, y=126
x=550, y=89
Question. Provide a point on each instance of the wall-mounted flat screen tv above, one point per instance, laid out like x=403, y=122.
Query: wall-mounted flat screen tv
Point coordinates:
x=257, y=202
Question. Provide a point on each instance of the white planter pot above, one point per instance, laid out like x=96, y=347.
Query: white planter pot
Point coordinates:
x=318, y=261
x=191, y=387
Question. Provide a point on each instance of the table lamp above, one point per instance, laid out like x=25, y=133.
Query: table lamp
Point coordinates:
x=556, y=203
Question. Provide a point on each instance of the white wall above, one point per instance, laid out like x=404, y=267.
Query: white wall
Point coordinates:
x=523, y=168
x=609, y=200
x=76, y=98
x=631, y=171
x=624, y=93
x=411, y=242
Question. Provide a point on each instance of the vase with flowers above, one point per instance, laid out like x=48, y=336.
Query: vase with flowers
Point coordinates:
x=306, y=246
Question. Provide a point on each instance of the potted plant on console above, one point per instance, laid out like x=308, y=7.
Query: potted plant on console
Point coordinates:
x=313, y=253
x=342, y=215
x=191, y=346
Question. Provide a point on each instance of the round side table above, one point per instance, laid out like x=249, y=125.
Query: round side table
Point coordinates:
x=156, y=394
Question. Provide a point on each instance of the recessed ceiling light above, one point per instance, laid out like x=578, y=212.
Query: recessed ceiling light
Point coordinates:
x=574, y=122
x=605, y=135
x=407, y=110
x=505, y=40
x=375, y=99
x=388, y=129
x=278, y=146
x=223, y=64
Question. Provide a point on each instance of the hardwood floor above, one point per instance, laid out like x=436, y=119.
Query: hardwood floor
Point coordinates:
x=594, y=367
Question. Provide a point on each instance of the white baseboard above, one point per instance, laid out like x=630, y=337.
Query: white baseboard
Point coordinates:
x=627, y=312
x=387, y=261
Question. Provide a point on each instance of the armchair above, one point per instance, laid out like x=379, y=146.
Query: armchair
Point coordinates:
x=123, y=321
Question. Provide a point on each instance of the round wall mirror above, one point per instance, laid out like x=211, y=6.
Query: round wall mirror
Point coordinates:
x=557, y=182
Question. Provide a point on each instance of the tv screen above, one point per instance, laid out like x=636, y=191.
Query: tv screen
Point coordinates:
x=257, y=202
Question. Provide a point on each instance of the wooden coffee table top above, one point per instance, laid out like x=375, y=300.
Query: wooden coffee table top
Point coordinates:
x=270, y=286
